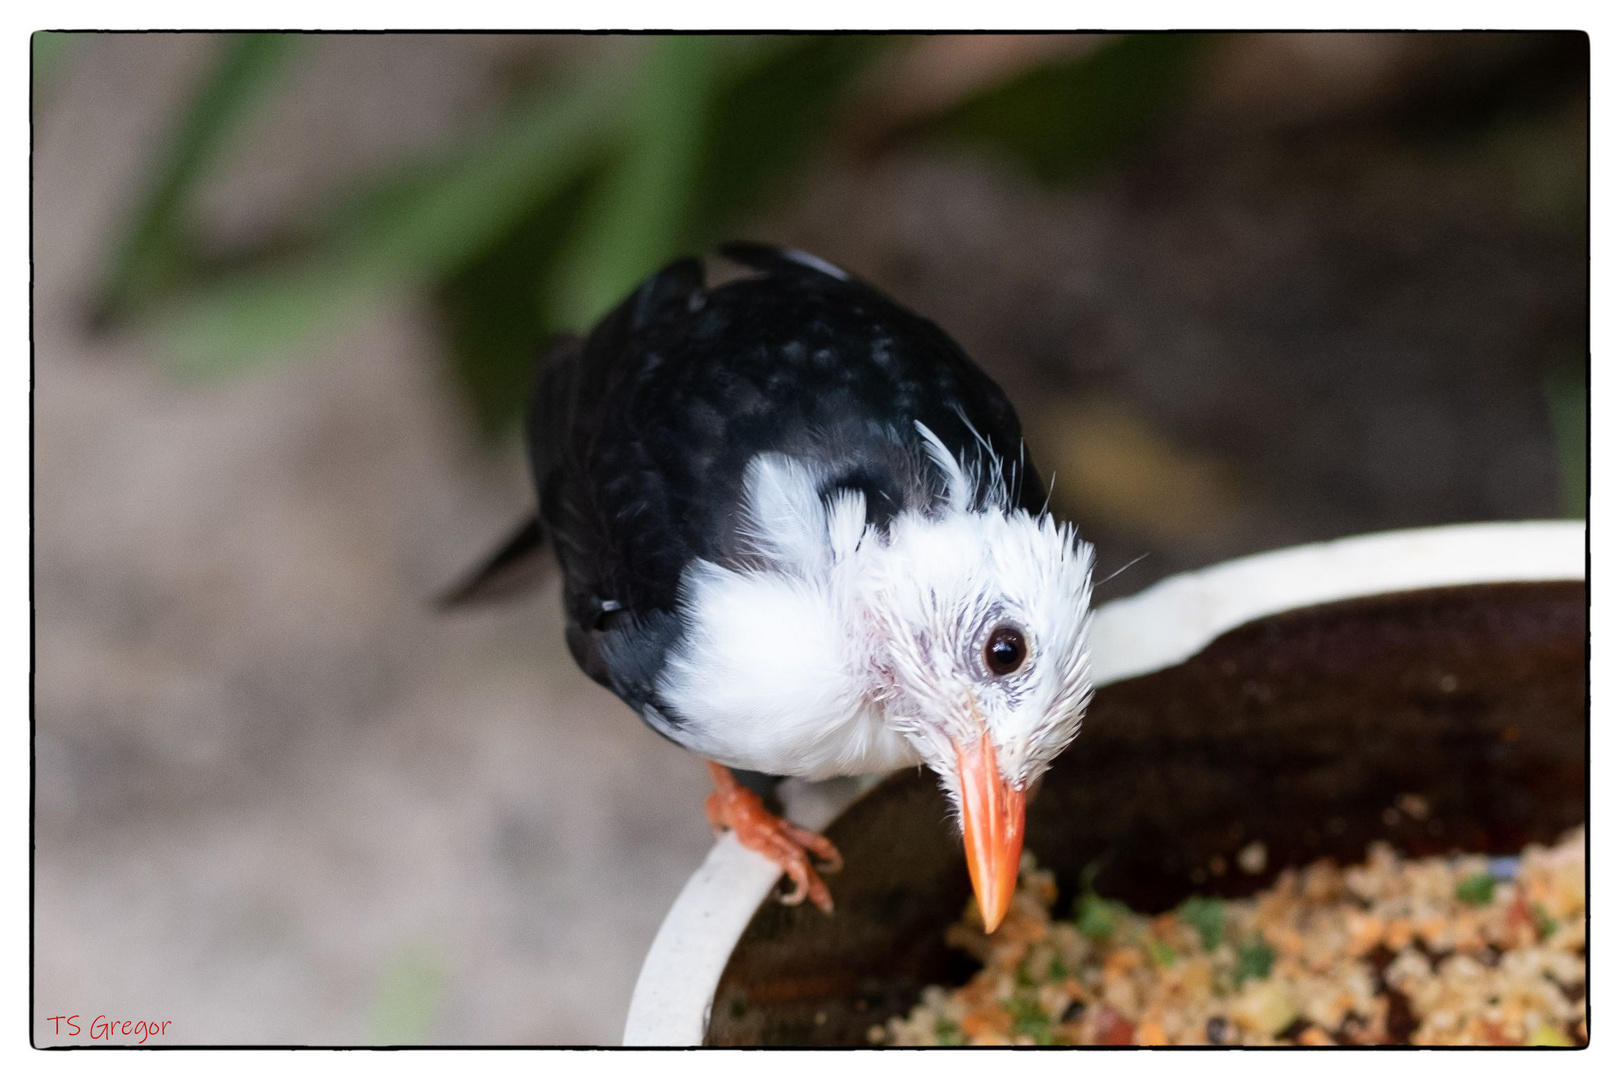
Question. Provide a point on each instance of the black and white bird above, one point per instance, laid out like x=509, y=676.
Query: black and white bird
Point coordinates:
x=799, y=535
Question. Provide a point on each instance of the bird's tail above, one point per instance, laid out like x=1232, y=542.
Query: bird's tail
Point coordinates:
x=513, y=568
x=519, y=563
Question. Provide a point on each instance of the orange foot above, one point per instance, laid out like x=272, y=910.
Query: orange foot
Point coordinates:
x=734, y=807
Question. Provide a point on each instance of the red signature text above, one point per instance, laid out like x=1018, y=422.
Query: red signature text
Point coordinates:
x=101, y=1029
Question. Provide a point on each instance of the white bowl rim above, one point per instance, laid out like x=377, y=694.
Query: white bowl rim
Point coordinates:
x=1152, y=630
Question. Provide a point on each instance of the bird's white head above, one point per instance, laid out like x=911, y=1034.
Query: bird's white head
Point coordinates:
x=955, y=634
x=982, y=615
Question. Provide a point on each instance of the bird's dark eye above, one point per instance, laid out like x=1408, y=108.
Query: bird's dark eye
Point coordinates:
x=1005, y=651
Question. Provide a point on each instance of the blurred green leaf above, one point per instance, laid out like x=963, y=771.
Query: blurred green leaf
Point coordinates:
x=420, y=225
x=714, y=122
x=495, y=317
x=767, y=119
x=711, y=123
x=1064, y=119
x=637, y=219
x=1565, y=389
x=408, y=996
x=548, y=218
x=49, y=51
x=581, y=248
x=156, y=252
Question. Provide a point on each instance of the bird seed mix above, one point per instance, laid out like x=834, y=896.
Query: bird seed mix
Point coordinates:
x=1437, y=951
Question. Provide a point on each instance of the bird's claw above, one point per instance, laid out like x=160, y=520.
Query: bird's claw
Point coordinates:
x=796, y=866
x=796, y=895
x=779, y=840
x=816, y=844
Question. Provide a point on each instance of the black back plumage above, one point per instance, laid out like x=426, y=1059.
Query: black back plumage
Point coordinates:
x=640, y=435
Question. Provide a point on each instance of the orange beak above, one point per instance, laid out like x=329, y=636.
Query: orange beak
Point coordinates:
x=992, y=830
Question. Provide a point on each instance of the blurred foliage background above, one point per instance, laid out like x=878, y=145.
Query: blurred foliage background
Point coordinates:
x=1247, y=290
x=594, y=169
x=592, y=174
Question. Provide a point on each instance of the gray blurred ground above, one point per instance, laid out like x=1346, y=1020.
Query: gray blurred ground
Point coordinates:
x=280, y=800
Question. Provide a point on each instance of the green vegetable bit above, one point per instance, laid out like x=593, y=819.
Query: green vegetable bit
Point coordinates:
x=1098, y=918
x=1254, y=960
x=1055, y=971
x=1030, y=1019
x=1207, y=916
x=946, y=1033
x=1546, y=925
x=1163, y=955
x=1476, y=889
x=1547, y=1035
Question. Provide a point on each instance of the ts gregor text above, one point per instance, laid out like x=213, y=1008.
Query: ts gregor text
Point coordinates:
x=104, y=1030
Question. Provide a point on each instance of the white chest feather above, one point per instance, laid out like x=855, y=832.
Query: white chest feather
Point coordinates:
x=768, y=679
x=773, y=671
